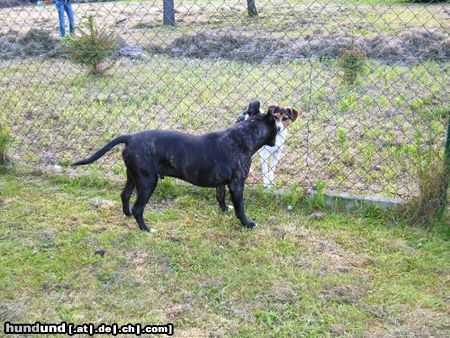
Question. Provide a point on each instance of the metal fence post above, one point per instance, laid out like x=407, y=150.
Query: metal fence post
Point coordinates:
x=446, y=168
x=169, y=12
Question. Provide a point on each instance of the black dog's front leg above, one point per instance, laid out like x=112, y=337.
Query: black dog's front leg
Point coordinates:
x=236, y=190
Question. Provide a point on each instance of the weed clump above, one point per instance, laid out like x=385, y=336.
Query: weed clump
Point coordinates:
x=351, y=63
x=92, y=49
x=424, y=208
x=5, y=140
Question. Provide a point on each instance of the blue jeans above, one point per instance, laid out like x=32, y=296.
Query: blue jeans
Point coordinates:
x=61, y=6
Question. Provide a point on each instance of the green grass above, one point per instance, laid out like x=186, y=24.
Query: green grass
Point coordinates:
x=202, y=271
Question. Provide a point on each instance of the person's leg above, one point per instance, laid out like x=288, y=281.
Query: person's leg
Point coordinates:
x=60, y=8
x=69, y=11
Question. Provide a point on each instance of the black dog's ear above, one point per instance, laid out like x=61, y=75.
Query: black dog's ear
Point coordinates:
x=273, y=109
x=253, y=107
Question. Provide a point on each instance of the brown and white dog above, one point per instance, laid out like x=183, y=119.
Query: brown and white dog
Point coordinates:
x=270, y=156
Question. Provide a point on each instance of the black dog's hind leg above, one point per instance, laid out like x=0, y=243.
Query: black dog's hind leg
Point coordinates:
x=236, y=190
x=126, y=195
x=220, y=196
x=145, y=186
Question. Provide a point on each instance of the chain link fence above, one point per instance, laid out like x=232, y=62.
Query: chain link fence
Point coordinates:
x=369, y=78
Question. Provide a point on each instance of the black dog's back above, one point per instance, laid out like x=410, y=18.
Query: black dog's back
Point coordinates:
x=189, y=157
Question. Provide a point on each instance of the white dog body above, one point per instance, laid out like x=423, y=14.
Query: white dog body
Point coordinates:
x=270, y=156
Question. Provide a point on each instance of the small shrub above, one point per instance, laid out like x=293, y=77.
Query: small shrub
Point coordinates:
x=5, y=140
x=317, y=201
x=92, y=48
x=342, y=137
x=295, y=195
x=351, y=63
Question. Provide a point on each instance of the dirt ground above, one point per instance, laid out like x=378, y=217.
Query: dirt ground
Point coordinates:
x=282, y=31
x=13, y=3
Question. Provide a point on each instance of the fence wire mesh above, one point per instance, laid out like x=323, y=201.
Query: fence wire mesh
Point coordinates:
x=369, y=78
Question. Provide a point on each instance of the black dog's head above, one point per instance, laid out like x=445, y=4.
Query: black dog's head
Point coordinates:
x=252, y=110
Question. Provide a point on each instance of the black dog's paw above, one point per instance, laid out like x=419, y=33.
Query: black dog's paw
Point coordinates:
x=127, y=213
x=146, y=229
x=227, y=208
x=251, y=225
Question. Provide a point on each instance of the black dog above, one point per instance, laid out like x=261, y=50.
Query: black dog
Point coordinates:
x=210, y=160
x=280, y=113
x=252, y=110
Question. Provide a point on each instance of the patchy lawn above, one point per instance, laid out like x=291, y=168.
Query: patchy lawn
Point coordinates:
x=295, y=275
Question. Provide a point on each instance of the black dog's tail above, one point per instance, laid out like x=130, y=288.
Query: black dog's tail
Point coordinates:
x=104, y=150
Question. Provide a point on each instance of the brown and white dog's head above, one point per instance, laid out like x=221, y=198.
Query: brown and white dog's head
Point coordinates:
x=283, y=116
x=278, y=118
